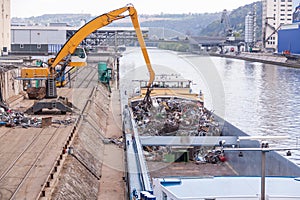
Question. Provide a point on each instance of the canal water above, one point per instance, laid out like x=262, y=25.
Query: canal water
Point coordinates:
x=260, y=99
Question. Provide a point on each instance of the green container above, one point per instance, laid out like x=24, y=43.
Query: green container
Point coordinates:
x=37, y=83
x=169, y=158
x=102, y=66
x=38, y=62
x=102, y=72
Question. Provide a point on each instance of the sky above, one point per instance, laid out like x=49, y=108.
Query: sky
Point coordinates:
x=28, y=8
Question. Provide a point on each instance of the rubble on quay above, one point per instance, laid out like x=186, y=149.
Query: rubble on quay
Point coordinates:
x=12, y=118
x=5, y=68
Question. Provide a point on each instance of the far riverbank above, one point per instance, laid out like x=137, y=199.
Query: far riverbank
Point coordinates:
x=267, y=58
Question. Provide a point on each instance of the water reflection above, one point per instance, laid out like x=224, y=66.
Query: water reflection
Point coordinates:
x=262, y=99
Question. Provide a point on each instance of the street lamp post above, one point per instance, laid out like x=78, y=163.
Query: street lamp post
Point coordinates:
x=263, y=175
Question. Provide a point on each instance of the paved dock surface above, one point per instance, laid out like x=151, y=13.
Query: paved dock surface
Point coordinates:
x=27, y=155
x=112, y=185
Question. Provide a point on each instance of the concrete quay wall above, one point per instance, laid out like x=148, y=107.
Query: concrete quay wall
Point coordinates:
x=76, y=180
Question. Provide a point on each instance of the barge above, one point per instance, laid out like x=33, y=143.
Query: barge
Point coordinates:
x=174, y=137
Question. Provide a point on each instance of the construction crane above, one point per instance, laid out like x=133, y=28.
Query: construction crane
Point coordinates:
x=63, y=58
x=265, y=38
x=228, y=29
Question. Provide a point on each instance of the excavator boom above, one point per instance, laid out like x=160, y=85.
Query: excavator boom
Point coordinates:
x=63, y=57
x=98, y=22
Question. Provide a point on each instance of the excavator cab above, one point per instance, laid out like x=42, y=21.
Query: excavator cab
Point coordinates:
x=78, y=58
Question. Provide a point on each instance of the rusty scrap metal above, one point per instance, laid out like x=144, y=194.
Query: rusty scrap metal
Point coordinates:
x=174, y=117
x=11, y=118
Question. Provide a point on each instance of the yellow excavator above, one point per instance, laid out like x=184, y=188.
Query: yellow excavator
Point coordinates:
x=63, y=58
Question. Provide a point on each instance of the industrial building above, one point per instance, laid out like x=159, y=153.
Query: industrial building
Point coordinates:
x=250, y=30
x=4, y=27
x=288, y=35
x=275, y=14
x=47, y=40
x=37, y=39
x=288, y=39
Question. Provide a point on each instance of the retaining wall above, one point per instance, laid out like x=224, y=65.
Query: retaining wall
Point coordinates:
x=81, y=180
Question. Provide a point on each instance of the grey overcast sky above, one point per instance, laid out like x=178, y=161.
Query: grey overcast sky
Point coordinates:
x=28, y=8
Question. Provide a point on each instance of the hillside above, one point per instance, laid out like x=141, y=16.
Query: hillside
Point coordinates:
x=237, y=20
x=70, y=19
x=192, y=24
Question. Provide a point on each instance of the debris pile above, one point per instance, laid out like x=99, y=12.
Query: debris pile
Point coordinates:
x=63, y=122
x=174, y=117
x=201, y=155
x=213, y=156
x=117, y=141
x=177, y=117
x=155, y=153
x=5, y=68
x=10, y=118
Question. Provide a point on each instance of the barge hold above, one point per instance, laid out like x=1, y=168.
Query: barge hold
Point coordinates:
x=179, y=138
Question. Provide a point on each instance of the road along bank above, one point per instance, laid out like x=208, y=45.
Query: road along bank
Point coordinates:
x=268, y=58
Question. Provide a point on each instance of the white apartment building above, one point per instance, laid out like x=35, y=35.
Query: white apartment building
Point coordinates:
x=275, y=13
x=4, y=27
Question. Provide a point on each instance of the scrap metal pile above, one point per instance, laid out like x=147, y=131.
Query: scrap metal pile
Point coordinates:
x=5, y=68
x=10, y=118
x=174, y=117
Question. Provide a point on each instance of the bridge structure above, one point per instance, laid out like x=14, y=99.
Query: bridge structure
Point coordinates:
x=125, y=36
x=45, y=40
x=110, y=36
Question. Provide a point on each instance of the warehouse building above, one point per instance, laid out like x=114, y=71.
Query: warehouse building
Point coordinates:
x=42, y=40
x=289, y=34
x=48, y=40
x=288, y=39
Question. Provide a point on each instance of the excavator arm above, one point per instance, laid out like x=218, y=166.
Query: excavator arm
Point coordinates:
x=98, y=22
